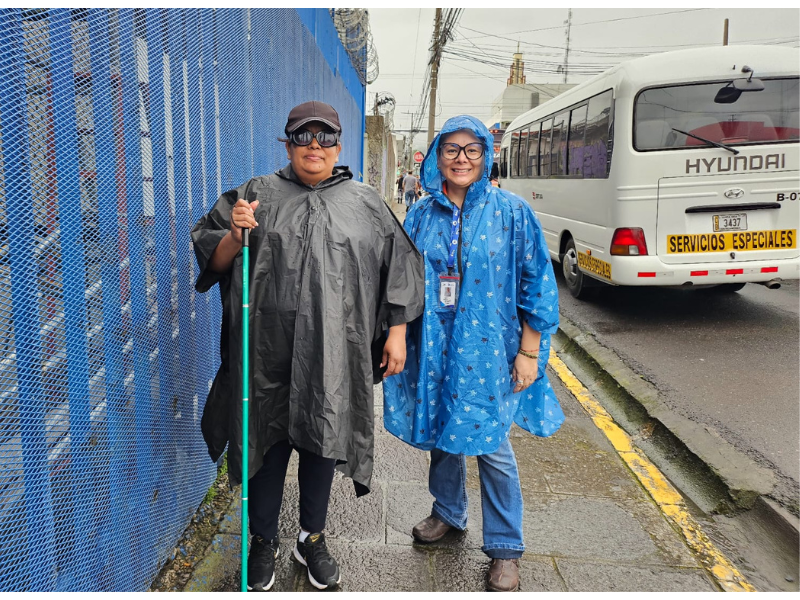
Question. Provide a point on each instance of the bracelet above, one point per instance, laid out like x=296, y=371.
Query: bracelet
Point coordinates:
x=533, y=355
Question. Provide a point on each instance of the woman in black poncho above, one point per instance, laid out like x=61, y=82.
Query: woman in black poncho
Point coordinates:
x=332, y=270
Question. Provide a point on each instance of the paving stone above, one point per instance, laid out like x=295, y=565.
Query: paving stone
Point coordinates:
x=294, y=463
x=577, y=459
x=538, y=574
x=587, y=528
x=377, y=393
x=583, y=576
x=670, y=543
x=569, y=404
x=407, y=505
x=380, y=430
x=397, y=461
x=220, y=563
x=231, y=521
x=466, y=572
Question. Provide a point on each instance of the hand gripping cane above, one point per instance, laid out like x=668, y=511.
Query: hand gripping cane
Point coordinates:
x=245, y=395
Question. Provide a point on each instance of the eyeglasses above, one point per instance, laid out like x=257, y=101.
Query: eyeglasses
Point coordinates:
x=304, y=137
x=472, y=151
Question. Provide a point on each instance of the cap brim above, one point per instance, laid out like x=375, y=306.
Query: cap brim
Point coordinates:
x=299, y=124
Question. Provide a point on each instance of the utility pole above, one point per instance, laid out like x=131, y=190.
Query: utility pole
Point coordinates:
x=725, y=34
x=407, y=141
x=437, y=46
x=566, y=51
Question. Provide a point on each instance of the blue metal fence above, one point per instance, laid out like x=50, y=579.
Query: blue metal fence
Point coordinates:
x=119, y=128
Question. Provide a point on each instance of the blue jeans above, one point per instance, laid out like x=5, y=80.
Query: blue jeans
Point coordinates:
x=501, y=497
x=411, y=196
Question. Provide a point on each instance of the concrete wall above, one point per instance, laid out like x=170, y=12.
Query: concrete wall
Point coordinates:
x=380, y=158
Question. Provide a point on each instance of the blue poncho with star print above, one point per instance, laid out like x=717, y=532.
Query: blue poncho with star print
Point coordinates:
x=456, y=392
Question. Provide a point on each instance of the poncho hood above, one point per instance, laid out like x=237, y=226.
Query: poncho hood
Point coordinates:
x=431, y=178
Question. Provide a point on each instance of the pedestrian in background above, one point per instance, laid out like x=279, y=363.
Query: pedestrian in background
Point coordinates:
x=494, y=175
x=332, y=271
x=409, y=188
x=400, y=188
x=477, y=356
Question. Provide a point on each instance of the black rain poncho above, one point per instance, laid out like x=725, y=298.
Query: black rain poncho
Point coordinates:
x=331, y=269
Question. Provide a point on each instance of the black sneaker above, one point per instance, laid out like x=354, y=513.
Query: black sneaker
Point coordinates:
x=323, y=572
x=261, y=563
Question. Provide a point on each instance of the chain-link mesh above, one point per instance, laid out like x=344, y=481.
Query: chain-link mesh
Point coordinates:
x=119, y=128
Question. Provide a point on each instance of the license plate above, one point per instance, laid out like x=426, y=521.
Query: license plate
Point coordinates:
x=737, y=222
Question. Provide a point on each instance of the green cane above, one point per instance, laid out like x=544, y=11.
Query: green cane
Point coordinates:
x=245, y=394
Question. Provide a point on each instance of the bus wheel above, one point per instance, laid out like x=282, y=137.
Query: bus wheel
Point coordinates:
x=728, y=288
x=575, y=280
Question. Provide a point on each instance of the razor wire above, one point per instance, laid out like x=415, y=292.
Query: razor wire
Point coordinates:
x=119, y=128
x=385, y=104
x=355, y=35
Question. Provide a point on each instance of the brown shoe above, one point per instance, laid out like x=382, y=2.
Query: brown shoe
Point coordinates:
x=503, y=575
x=430, y=530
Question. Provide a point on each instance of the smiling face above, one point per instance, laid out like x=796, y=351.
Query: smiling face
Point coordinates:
x=460, y=172
x=313, y=163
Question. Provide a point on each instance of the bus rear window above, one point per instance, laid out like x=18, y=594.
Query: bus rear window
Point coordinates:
x=766, y=116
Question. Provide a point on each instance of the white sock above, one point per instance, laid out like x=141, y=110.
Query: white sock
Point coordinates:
x=303, y=535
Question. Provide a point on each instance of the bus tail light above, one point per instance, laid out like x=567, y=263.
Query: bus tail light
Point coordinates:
x=628, y=241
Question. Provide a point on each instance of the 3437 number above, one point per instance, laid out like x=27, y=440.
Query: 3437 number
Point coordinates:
x=787, y=196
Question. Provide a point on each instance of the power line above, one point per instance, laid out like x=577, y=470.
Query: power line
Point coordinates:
x=674, y=12
x=629, y=50
x=531, y=66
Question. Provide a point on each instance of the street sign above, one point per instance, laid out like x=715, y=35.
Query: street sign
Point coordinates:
x=418, y=157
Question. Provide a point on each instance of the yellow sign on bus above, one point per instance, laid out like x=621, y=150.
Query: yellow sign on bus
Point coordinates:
x=594, y=265
x=738, y=241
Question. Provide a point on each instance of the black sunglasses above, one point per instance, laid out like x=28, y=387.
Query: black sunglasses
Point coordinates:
x=304, y=137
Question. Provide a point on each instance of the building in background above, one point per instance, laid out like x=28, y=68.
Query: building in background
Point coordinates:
x=520, y=97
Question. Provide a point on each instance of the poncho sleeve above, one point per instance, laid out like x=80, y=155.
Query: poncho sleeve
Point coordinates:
x=537, y=297
x=402, y=275
x=207, y=234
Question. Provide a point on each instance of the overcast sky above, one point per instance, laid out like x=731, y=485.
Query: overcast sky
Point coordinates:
x=599, y=39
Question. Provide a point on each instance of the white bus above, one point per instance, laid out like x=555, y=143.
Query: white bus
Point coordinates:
x=675, y=169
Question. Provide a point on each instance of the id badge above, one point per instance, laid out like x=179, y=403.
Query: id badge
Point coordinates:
x=448, y=291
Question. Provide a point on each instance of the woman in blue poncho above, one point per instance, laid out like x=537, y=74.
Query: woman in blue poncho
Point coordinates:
x=477, y=356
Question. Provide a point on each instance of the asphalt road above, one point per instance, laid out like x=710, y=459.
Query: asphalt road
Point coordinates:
x=729, y=361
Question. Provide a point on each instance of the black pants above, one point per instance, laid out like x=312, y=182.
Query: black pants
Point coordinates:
x=315, y=475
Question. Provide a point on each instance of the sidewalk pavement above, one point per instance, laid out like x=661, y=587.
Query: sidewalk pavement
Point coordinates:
x=589, y=525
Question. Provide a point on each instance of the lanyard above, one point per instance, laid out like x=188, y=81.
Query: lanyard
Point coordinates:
x=451, y=259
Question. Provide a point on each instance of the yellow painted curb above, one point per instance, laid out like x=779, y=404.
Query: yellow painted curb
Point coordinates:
x=660, y=489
